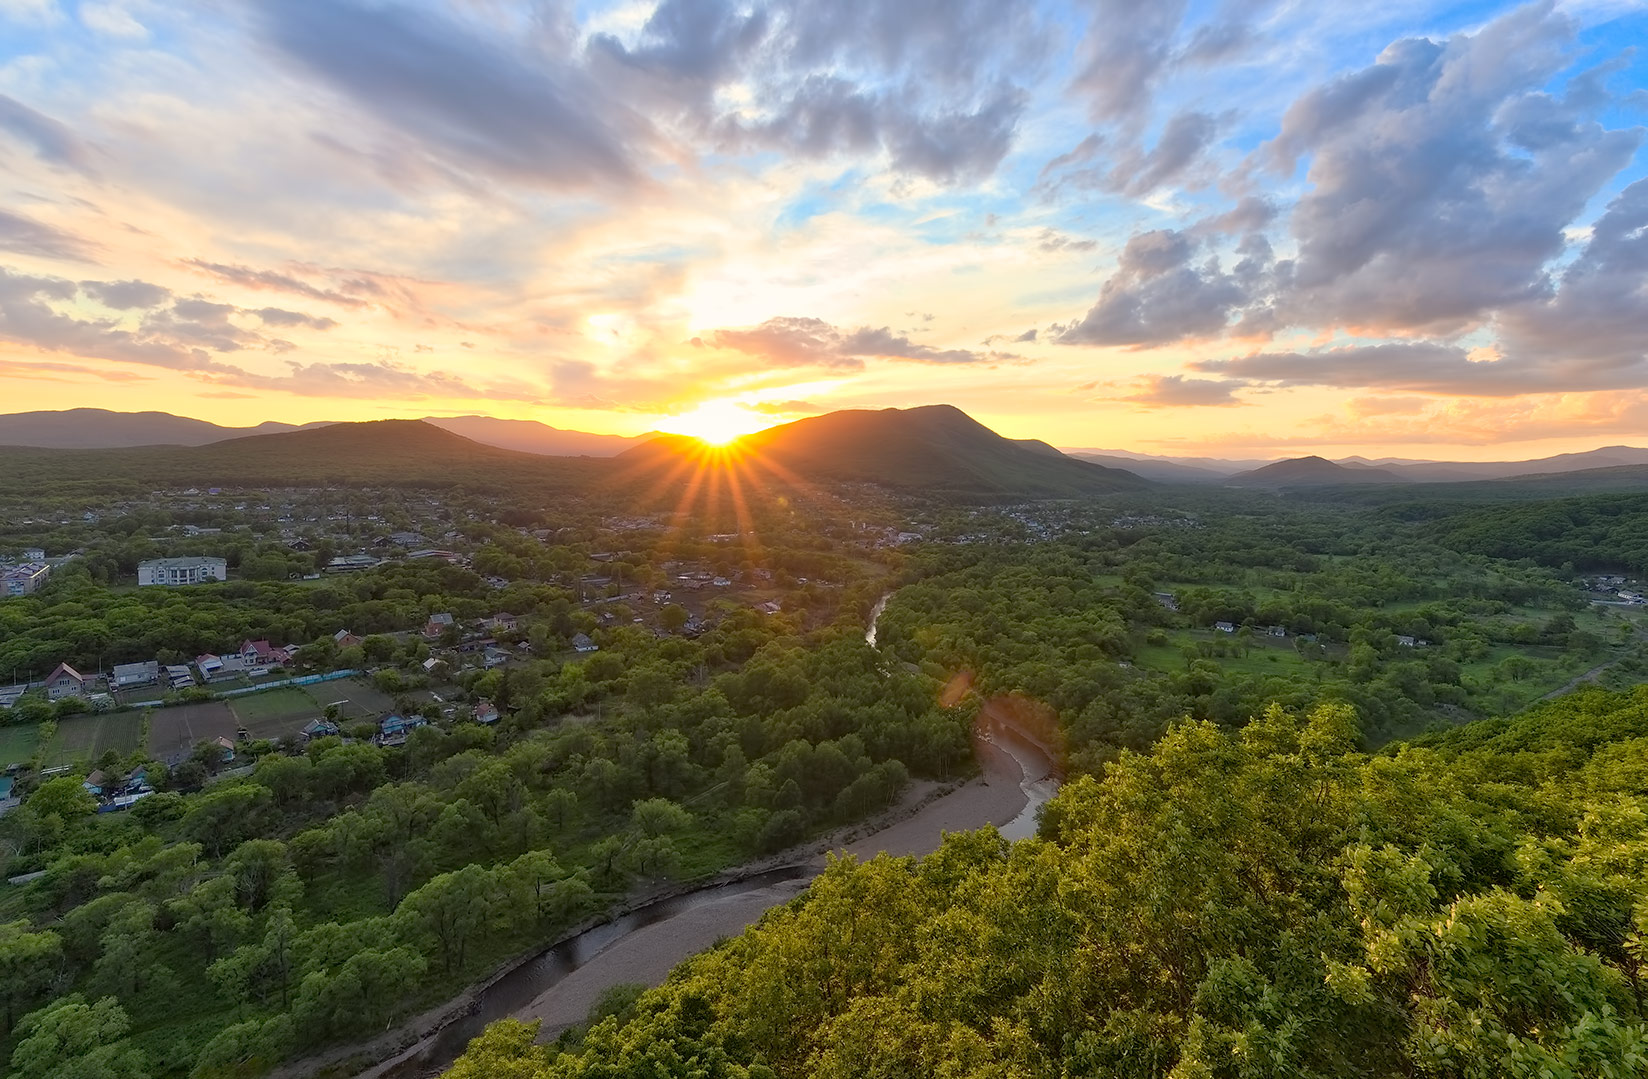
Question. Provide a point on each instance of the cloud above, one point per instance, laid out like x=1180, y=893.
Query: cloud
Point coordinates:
x=279, y=282
x=1128, y=46
x=812, y=342
x=479, y=103
x=787, y=408
x=689, y=41
x=28, y=319
x=1159, y=294
x=1426, y=367
x=1598, y=318
x=934, y=86
x=275, y=316
x=1435, y=197
x=126, y=295
x=26, y=236
x=1177, y=391
x=50, y=140
x=1440, y=185
x=1130, y=169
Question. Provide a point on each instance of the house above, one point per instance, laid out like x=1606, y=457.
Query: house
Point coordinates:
x=772, y=606
x=1224, y=627
x=1167, y=599
x=34, y=554
x=494, y=657
x=351, y=563
x=661, y=596
x=319, y=728
x=23, y=580
x=95, y=782
x=262, y=654
x=437, y=625
x=178, y=676
x=431, y=663
x=210, y=667
x=721, y=582
x=344, y=639
x=1405, y=641
x=226, y=746
x=195, y=569
x=406, y=539
x=130, y=675
x=393, y=730
x=65, y=681
x=503, y=623
x=486, y=712
x=300, y=544
x=1276, y=631
x=582, y=643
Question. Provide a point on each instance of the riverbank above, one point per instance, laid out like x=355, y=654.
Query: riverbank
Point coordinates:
x=998, y=796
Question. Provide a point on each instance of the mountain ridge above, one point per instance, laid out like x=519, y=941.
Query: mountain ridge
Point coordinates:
x=933, y=448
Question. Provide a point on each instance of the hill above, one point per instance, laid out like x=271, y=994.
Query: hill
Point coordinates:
x=1265, y=902
x=407, y=453
x=530, y=436
x=1311, y=472
x=99, y=428
x=937, y=449
x=1157, y=470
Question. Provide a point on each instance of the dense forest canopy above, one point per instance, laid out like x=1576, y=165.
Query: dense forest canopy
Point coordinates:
x=1255, y=903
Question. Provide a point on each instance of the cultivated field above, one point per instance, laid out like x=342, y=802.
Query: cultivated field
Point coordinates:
x=277, y=713
x=356, y=698
x=89, y=737
x=17, y=744
x=178, y=729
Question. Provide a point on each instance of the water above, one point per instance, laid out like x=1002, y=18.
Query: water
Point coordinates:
x=875, y=616
x=521, y=986
x=514, y=991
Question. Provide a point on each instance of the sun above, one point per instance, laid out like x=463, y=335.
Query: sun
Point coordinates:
x=717, y=422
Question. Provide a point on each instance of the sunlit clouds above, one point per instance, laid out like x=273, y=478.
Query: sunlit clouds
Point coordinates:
x=1410, y=229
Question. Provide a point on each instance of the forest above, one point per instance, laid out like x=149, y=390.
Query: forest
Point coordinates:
x=317, y=893
x=1251, y=903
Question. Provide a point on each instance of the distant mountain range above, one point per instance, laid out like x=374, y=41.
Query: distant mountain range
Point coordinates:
x=937, y=449
x=1311, y=472
x=97, y=428
x=1357, y=469
x=847, y=445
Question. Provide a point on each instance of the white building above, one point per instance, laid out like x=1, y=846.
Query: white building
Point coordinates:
x=23, y=580
x=174, y=571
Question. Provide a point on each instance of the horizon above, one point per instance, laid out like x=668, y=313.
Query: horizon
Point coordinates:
x=1419, y=237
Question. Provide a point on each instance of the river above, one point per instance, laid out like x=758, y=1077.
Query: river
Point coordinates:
x=560, y=985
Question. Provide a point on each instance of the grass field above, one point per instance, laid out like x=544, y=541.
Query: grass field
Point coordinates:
x=284, y=703
x=1268, y=655
x=278, y=713
x=89, y=737
x=179, y=728
x=357, y=698
x=17, y=744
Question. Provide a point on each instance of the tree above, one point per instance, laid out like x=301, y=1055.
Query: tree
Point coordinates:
x=452, y=910
x=221, y=819
x=29, y=962
x=672, y=616
x=75, y=1040
x=64, y=799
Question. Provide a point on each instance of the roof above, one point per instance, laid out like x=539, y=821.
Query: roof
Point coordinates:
x=189, y=562
x=442, y=619
x=64, y=668
x=146, y=669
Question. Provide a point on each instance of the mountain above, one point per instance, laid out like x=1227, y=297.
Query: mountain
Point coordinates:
x=934, y=448
x=1311, y=472
x=530, y=436
x=407, y=453
x=1443, y=471
x=1159, y=470
x=98, y=428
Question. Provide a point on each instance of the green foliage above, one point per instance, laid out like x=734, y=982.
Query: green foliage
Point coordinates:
x=1250, y=904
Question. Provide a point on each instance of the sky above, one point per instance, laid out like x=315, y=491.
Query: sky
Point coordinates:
x=1236, y=228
